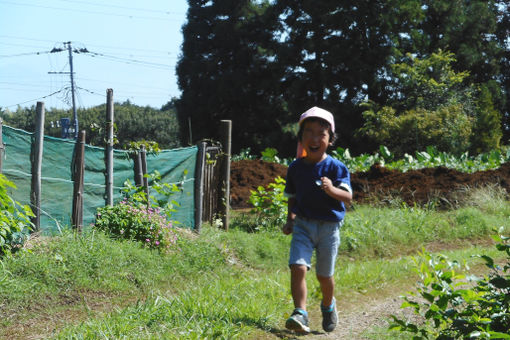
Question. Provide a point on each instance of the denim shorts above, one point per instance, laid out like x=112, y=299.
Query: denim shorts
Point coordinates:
x=323, y=237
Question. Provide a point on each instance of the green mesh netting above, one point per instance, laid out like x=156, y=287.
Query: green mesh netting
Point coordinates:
x=57, y=184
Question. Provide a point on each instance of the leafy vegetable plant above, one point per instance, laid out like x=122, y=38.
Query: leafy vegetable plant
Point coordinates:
x=451, y=308
x=430, y=157
x=14, y=220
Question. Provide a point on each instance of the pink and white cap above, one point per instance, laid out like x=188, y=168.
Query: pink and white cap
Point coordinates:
x=319, y=113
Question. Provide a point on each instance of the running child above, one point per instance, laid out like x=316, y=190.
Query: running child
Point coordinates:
x=318, y=187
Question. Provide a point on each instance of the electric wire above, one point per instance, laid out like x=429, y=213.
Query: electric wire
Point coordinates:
x=91, y=12
x=64, y=91
x=24, y=54
x=129, y=61
x=138, y=9
x=28, y=101
x=90, y=91
x=22, y=45
x=145, y=86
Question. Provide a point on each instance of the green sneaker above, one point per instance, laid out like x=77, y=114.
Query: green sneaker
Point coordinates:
x=329, y=317
x=298, y=322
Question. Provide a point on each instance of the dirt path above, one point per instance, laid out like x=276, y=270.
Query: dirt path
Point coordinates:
x=353, y=322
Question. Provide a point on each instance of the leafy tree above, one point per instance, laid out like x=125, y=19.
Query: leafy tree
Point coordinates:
x=132, y=123
x=228, y=71
x=334, y=54
x=502, y=33
x=431, y=105
x=281, y=57
x=476, y=33
x=487, y=131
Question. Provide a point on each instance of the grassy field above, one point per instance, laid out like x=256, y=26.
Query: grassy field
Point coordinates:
x=227, y=284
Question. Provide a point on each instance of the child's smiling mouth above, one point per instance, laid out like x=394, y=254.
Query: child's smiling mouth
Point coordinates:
x=314, y=148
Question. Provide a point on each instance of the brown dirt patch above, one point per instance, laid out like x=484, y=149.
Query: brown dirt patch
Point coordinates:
x=415, y=186
x=247, y=175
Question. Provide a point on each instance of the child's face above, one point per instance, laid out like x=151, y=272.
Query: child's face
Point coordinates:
x=315, y=140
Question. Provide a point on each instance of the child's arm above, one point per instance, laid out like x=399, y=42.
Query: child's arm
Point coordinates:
x=338, y=194
x=289, y=225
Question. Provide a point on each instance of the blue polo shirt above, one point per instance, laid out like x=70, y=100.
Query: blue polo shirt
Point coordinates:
x=311, y=201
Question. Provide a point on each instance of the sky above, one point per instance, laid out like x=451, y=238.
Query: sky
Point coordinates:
x=129, y=46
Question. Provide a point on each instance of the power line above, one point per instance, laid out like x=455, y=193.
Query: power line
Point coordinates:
x=138, y=9
x=109, y=47
x=90, y=91
x=83, y=50
x=130, y=61
x=24, y=54
x=23, y=38
x=24, y=84
x=144, y=85
x=21, y=45
x=91, y=12
x=49, y=95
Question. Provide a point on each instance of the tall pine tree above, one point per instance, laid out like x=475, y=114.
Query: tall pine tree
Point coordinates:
x=228, y=70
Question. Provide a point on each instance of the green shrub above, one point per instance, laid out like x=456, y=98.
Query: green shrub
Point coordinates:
x=14, y=220
x=136, y=222
x=453, y=310
x=270, y=204
x=141, y=218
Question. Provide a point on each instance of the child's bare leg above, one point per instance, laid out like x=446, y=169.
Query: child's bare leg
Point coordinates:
x=298, y=285
x=327, y=287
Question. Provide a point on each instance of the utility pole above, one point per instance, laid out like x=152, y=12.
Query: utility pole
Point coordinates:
x=75, y=115
x=70, y=50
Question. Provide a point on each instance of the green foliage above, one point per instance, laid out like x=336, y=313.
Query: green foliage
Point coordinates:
x=151, y=147
x=429, y=158
x=487, y=128
x=270, y=155
x=243, y=155
x=429, y=106
x=133, y=292
x=131, y=123
x=136, y=217
x=136, y=222
x=270, y=205
x=227, y=70
x=15, y=221
x=451, y=308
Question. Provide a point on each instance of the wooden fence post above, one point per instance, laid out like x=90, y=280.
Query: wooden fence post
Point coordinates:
x=224, y=208
x=199, y=185
x=36, y=158
x=79, y=170
x=2, y=146
x=137, y=160
x=109, y=148
x=145, y=180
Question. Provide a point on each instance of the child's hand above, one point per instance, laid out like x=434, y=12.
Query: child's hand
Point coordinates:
x=326, y=185
x=287, y=228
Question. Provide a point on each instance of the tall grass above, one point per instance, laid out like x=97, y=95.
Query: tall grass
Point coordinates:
x=221, y=284
x=390, y=231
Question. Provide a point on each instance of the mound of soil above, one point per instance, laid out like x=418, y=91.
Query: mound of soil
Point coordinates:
x=415, y=186
x=248, y=175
